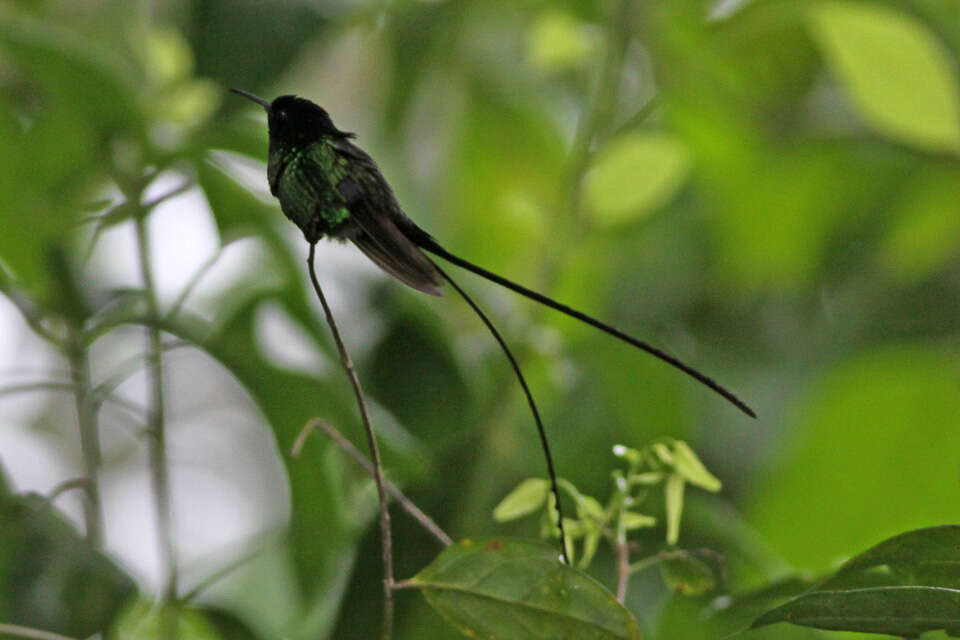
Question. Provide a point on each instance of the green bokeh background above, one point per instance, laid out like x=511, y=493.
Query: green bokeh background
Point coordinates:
x=769, y=190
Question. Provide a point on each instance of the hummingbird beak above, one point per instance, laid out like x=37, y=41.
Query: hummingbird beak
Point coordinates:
x=246, y=94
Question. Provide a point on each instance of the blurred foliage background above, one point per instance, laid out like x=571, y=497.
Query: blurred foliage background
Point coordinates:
x=768, y=189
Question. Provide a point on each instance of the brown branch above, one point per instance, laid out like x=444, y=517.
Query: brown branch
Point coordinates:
x=623, y=570
x=423, y=519
x=386, y=539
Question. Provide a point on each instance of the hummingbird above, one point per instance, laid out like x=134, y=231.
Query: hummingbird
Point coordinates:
x=329, y=187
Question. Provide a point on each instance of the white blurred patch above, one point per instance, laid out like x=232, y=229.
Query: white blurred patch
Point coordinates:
x=285, y=342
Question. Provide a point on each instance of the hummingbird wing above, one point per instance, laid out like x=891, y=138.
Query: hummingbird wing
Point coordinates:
x=384, y=252
x=374, y=208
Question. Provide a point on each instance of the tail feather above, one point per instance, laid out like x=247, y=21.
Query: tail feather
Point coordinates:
x=551, y=471
x=427, y=243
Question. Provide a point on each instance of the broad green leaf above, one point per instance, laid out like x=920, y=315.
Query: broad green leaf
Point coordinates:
x=228, y=625
x=237, y=211
x=673, y=495
x=687, y=574
x=147, y=621
x=526, y=498
x=50, y=577
x=896, y=611
x=896, y=72
x=848, y=436
x=409, y=386
x=761, y=599
x=558, y=41
x=95, y=84
x=251, y=44
x=688, y=465
x=505, y=168
x=924, y=235
x=49, y=168
x=635, y=174
x=503, y=588
x=928, y=557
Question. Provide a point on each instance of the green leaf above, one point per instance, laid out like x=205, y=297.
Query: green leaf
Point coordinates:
x=588, y=506
x=673, y=495
x=94, y=84
x=687, y=574
x=55, y=146
x=908, y=413
x=558, y=41
x=503, y=588
x=924, y=235
x=927, y=557
x=635, y=174
x=50, y=577
x=237, y=212
x=147, y=621
x=590, y=543
x=663, y=452
x=688, y=465
x=761, y=599
x=228, y=625
x=896, y=72
x=527, y=497
x=896, y=611
x=632, y=520
x=646, y=479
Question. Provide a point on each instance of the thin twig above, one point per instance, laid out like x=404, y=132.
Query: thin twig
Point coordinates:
x=623, y=570
x=89, y=427
x=192, y=284
x=386, y=539
x=651, y=561
x=640, y=117
x=184, y=186
x=322, y=425
x=159, y=469
x=27, y=632
x=68, y=485
x=29, y=387
x=128, y=368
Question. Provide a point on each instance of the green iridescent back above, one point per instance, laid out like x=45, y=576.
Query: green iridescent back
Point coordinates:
x=305, y=181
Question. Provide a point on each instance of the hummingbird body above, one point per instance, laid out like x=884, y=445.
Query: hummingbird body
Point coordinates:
x=329, y=187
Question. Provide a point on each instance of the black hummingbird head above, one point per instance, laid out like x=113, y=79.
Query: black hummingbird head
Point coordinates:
x=296, y=121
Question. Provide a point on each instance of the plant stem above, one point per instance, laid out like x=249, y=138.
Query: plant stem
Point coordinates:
x=415, y=512
x=27, y=632
x=89, y=438
x=386, y=539
x=623, y=569
x=159, y=465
